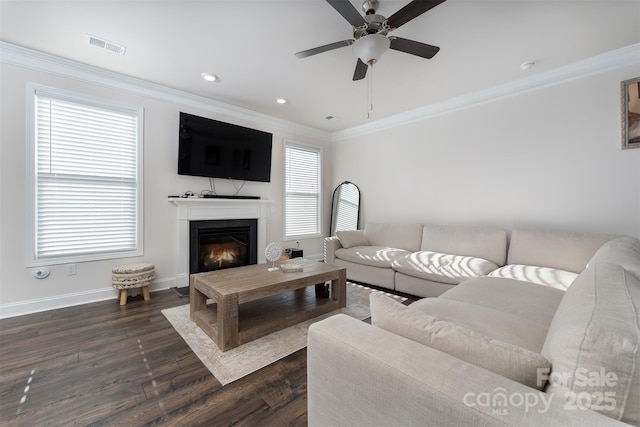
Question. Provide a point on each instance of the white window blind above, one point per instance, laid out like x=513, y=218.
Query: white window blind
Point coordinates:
x=302, y=191
x=87, y=181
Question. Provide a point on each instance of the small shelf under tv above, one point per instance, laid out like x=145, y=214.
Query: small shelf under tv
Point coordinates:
x=216, y=196
x=221, y=196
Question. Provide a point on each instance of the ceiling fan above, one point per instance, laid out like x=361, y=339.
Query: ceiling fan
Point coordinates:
x=370, y=39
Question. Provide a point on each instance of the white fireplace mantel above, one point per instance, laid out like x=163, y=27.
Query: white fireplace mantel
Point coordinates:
x=201, y=209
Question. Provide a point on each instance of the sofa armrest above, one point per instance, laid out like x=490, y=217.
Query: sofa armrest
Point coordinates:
x=360, y=375
x=331, y=245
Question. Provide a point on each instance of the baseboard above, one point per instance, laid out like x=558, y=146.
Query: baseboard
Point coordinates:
x=69, y=300
x=77, y=298
x=182, y=280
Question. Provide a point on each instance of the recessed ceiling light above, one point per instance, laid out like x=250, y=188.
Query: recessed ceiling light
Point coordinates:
x=281, y=101
x=210, y=77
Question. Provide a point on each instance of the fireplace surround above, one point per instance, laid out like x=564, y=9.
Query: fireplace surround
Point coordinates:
x=202, y=209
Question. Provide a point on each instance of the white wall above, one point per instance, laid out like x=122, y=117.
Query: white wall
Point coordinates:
x=546, y=158
x=20, y=292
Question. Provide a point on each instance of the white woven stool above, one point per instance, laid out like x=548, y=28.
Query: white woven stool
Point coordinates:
x=138, y=275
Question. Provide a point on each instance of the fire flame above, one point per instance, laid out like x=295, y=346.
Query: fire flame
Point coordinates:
x=224, y=256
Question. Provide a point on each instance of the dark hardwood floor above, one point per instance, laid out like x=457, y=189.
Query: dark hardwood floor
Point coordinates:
x=105, y=364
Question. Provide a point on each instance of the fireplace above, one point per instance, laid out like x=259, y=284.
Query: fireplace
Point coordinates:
x=204, y=209
x=219, y=244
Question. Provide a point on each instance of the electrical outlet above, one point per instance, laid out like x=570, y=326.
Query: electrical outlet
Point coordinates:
x=41, y=273
x=70, y=269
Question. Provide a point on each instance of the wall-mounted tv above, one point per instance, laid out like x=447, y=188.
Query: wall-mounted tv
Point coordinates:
x=215, y=149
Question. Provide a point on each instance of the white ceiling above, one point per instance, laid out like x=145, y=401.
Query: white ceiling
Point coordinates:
x=250, y=44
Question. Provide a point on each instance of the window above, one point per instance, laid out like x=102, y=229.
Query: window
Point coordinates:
x=302, y=191
x=86, y=178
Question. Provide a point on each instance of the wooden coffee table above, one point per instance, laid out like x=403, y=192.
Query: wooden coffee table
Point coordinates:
x=250, y=302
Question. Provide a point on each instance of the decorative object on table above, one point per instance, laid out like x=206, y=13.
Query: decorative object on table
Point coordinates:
x=291, y=267
x=129, y=276
x=345, y=208
x=272, y=253
x=294, y=252
x=630, y=103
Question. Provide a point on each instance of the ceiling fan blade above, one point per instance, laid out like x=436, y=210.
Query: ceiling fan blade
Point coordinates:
x=410, y=11
x=413, y=47
x=326, y=47
x=348, y=12
x=360, y=71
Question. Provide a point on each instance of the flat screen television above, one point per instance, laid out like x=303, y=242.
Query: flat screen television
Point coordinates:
x=215, y=149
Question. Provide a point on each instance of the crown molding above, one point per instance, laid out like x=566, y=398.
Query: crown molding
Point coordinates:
x=40, y=61
x=20, y=56
x=614, y=59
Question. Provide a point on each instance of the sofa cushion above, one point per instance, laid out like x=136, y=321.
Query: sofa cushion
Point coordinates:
x=478, y=242
x=593, y=343
x=495, y=324
x=502, y=358
x=445, y=268
x=351, y=238
x=375, y=256
x=546, y=276
x=523, y=299
x=624, y=251
x=555, y=249
x=401, y=236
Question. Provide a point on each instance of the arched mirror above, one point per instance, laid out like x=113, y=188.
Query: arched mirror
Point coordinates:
x=345, y=207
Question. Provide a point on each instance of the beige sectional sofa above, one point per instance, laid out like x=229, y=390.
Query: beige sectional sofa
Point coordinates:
x=493, y=350
x=426, y=260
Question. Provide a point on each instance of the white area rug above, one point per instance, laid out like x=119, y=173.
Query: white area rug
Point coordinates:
x=231, y=365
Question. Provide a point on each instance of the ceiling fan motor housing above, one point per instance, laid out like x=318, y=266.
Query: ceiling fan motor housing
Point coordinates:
x=375, y=24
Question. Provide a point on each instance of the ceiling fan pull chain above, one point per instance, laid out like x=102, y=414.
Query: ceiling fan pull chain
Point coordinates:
x=370, y=92
x=367, y=106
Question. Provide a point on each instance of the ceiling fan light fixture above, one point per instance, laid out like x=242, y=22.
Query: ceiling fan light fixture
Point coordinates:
x=370, y=48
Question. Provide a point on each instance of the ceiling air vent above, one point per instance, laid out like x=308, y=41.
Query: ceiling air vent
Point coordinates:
x=105, y=44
